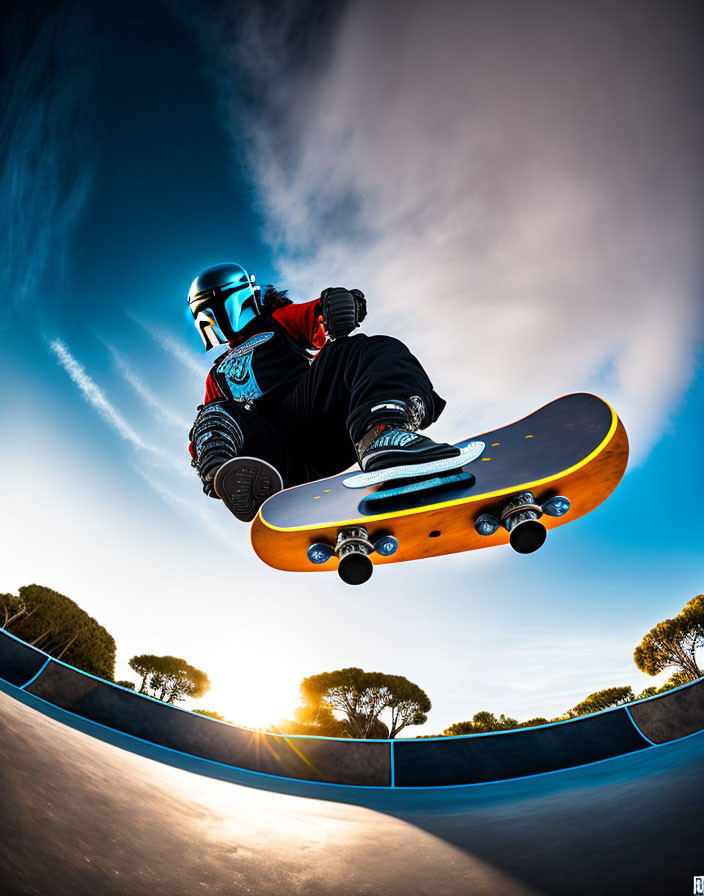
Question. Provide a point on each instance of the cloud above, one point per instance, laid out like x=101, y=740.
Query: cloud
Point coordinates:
x=45, y=175
x=155, y=463
x=96, y=398
x=515, y=189
x=142, y=390
x=174, y=348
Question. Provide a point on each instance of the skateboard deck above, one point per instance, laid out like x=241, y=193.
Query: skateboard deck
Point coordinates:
x=547, y=469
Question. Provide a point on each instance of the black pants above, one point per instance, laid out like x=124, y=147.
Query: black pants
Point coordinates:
x=309, y=433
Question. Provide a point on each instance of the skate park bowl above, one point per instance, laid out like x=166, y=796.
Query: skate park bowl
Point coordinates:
x=609, y=802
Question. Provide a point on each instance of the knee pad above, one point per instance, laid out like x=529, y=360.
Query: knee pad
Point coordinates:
x=216, y=437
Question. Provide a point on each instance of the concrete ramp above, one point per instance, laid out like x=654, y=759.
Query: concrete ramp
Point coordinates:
x=609, y=803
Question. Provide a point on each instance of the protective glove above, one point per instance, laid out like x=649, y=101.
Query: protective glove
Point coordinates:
x=342, y=310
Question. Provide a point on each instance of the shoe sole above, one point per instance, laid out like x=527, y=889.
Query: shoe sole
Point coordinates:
x=244, y=483
x=467, y=454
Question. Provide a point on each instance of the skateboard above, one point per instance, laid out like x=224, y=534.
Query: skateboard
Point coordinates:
x=549, y=468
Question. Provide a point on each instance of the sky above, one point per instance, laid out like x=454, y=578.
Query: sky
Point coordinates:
x=517, y=190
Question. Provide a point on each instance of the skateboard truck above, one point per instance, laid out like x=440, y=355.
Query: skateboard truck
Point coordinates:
x=352, y=549
x=521, y=519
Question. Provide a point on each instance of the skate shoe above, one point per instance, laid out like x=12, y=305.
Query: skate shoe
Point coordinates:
x=385, y=447
x=391, y=448
x=244, y=484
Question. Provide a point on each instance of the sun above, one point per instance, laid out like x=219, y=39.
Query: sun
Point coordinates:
x=272, y=696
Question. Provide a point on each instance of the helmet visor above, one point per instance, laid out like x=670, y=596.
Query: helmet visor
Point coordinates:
x=207, y=325
x=240, y=305
x=222, y=312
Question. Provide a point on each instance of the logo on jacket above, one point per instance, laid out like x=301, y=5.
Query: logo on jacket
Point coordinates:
x=236, y=367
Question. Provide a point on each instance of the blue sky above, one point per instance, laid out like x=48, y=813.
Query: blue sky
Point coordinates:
x=504, y=215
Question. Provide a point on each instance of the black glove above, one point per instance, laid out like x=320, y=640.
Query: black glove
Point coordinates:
x=342, y=310
x=216, y=437
x=360, y=304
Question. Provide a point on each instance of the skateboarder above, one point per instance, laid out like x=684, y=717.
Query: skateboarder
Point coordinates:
x=295, y=398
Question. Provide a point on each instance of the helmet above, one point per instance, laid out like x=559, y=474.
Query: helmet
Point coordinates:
x=223, y=300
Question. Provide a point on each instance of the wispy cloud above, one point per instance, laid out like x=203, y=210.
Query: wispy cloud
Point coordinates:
x=515, y=189
x=95, y=397
x=155, y=463
x=145, y=393
x=174, y=348
x=45, y=174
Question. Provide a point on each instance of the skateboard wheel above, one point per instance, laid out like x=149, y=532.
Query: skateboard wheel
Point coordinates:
x=353, y=548
x=527, y=536
x=355, y=568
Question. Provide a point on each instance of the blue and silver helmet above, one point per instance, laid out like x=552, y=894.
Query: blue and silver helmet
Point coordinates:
x=223, y=300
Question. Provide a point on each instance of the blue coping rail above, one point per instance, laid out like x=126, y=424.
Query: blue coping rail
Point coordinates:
x=630, y=716
x=36, y=674
x=86, y=724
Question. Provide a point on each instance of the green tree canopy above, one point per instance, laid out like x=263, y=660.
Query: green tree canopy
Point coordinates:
x=407, y=703
x=674, y=642
x=676, y=680
x=58, y=626
x=363, y=696
x=12, y=608
x=169, y=678
x=485, y=721
x=602, y=700
x=318, y=721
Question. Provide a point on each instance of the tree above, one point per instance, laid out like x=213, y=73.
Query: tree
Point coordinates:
x=169, y=678
x=363, y=696
x=58, y=626
x=378, y=730
x=125, y=684
x=602, y=700
x=12, y=607
x=676, y=680
x=674, y=642
x=458, y=728
x=316, y=721
x=409, y=704
x=485, y=721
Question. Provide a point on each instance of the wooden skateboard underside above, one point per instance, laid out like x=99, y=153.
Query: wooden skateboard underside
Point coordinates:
x=575, y=446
